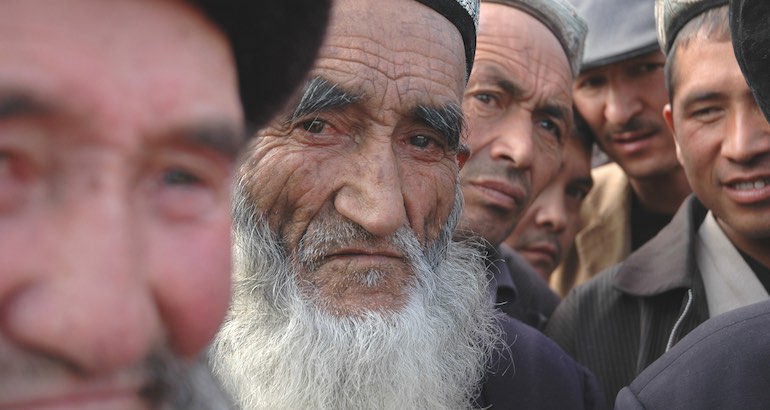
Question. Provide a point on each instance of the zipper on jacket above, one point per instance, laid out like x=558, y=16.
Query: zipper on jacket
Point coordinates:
x=678, y=324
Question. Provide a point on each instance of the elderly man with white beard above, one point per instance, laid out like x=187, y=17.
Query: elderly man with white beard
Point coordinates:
x=349, y=290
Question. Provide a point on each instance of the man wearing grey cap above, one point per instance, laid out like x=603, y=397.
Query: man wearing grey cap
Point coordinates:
x=120, y=124
x=350, y=292
x=621, y=93
x=734, y=343
x=713, y=257
x=518, y=105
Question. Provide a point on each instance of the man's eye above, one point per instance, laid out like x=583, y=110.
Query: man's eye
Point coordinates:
x=485, y=98
x=421, y=141
x=314, y=126
x=551, y=127
x=577, y=193
x=178, y=176
x=591, y=82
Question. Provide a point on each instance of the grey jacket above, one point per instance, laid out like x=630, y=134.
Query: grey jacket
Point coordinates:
x=622, y=320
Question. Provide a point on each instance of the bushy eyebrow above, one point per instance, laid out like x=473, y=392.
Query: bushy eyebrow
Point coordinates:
x=446, y=120
x=222, y=137
x=19, y=104
x=322, y=95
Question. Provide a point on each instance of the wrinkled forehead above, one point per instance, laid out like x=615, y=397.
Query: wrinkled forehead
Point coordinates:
x=394, y=50
x=119, y=58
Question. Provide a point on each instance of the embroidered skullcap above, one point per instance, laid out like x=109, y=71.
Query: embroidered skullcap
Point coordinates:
x=750, y=29
x=617, y=30
x=271, y=54
x=672, y=15
x=464, y=14
x=563, y=21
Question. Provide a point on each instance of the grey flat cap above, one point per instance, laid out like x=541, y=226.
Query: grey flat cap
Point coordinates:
x=464, y=14
x=672, y=15
x=563, y=21
x=617, y=30
x=750, y=29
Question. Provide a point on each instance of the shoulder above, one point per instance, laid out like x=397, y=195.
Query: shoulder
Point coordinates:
x=728, y=358
x=531, y=371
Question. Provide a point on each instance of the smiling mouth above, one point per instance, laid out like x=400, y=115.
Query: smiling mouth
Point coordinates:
x=750, y=185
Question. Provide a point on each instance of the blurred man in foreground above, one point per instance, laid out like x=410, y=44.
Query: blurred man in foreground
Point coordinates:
x=120, y=123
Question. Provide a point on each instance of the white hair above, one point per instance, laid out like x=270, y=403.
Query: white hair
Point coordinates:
x=279, y=350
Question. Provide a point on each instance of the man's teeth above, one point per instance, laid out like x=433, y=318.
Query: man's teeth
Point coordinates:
x=758, y=184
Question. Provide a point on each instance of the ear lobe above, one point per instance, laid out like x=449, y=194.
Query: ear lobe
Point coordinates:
x=668, y=115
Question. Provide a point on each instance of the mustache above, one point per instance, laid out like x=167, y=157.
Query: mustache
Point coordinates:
x=540, y=237
x=635, y=124
x=335, y=232
x=165, y=381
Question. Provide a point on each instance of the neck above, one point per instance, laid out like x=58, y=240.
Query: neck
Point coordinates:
x=662, y=194
x=757, y=248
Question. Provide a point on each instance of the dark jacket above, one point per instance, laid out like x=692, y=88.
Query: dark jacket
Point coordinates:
x=518, y=290
x=723, y=364
x=621, y=321
x=532, y=372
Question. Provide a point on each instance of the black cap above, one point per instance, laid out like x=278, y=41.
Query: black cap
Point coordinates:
x=750, y=30
x=274, y=43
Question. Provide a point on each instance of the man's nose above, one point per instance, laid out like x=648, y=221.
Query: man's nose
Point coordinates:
x=621, y=103
x=749, y=138
x=514, y=141
x=89, y=305
x=371, y=195
x=551, y=213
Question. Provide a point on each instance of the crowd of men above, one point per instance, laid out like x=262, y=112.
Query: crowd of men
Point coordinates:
x=363, y=204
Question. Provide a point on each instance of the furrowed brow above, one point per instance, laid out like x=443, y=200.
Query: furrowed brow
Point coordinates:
x=556, y=111
x=447, y=121
x=322, y=95
x=222, y=138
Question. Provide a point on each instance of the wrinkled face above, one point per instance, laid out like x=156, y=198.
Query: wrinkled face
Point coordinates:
x=518, y=108
x=723, y=141
x=547, y=230
x=116, y=154
x=372, y=141
x=622, y=103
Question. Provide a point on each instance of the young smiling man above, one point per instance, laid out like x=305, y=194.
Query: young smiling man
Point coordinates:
x=713, y=257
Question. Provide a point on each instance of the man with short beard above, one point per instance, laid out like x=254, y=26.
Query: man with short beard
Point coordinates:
x=350, y=293
x=120, y=124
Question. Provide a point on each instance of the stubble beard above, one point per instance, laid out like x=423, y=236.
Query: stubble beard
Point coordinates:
x=278, y=349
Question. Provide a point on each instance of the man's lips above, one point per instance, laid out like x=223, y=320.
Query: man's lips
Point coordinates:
x=748, y=189
x=365, y=253
x=502, y=194
x=543, y=248
x=631, y=136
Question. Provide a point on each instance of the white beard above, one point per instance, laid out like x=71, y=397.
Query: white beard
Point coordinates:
x=279, y=350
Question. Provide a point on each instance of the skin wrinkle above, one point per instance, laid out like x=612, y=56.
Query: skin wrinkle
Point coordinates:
x=521, y=74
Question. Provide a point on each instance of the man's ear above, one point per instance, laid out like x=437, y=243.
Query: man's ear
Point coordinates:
x=668, y=115
x=463, y=154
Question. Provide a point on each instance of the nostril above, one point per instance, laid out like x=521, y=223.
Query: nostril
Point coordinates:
x=89, y=332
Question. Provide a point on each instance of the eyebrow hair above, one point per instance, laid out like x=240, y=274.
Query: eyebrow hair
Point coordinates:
x=222, y=138
x=700, y=96
x=19, y=104
x=588, y=182
x=514, y=90
x=447, y=121
x=321, y=94
x=556, y=111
